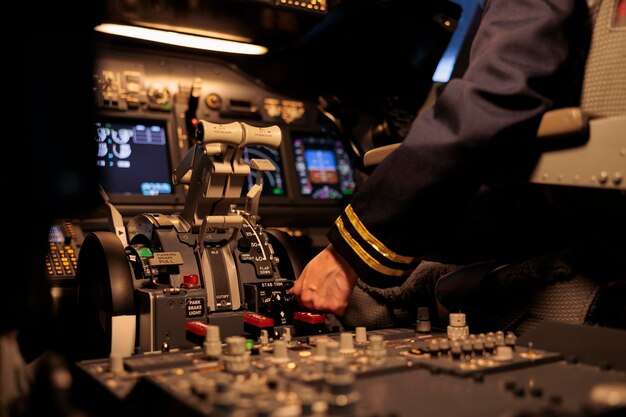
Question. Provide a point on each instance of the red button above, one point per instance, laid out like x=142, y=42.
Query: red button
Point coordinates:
x=196, y=327
x=310, y=318
x=258, y=320
x=190, y=280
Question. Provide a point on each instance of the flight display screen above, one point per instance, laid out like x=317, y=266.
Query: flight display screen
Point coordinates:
x=133, y=157
x=273, y=181
x=323, y=167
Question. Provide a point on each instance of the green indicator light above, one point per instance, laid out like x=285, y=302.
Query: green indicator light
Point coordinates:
x=277, y=191
x=347, y=192
x=145, y=253
x=249, y=344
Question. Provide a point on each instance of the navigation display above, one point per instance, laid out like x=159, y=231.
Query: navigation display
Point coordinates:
x=323, y=167
x=133, y=157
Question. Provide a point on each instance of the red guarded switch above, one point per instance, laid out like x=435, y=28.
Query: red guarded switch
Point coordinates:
x=190, y=280
x=310, y=318
x=258, y=320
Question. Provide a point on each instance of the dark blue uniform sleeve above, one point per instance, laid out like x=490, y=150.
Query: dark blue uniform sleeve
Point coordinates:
x=523, y=62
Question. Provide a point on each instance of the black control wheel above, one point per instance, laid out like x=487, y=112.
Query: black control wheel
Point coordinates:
x=105, y=289
x=292, y=260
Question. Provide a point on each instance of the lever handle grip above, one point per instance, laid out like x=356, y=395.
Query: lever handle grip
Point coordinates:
x=229, y=133
x=270, y=136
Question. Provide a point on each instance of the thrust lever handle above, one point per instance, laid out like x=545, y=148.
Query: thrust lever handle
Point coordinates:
x=239, y=134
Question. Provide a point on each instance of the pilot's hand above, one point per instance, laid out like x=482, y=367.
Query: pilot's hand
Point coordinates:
x=326, y=283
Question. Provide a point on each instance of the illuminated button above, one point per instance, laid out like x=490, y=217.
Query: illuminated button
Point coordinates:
x=190, y=280
x=145, y=252
x=249, y=344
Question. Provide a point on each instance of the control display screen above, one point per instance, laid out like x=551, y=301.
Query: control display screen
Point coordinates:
x=323, y=166
x=55, y=235
x=273, y=182
x=133, y=157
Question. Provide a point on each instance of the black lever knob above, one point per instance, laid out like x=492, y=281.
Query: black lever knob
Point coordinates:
x=244, y=244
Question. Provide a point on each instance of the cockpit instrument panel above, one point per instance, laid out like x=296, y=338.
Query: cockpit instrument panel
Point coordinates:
x=132, y=157
x=323, y=167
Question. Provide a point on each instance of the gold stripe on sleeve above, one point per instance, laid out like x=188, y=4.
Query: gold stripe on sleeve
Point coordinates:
x=366, y=257
x=375, y=243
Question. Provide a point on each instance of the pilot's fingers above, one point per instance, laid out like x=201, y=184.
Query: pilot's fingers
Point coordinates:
x=308, y=299
x=297, y=287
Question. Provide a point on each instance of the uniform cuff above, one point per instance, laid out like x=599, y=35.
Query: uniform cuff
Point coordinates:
x=373, y=261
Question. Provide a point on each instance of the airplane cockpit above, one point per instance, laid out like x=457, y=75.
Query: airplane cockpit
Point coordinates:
x=192, y=156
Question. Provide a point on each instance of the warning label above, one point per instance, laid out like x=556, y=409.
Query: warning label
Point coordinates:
x=166, y=258
x=195, y=307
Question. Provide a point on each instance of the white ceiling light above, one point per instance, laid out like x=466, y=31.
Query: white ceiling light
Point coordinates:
x=181, y=39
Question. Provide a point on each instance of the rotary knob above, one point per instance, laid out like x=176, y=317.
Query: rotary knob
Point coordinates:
x=458, y=328
x=159, y=94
